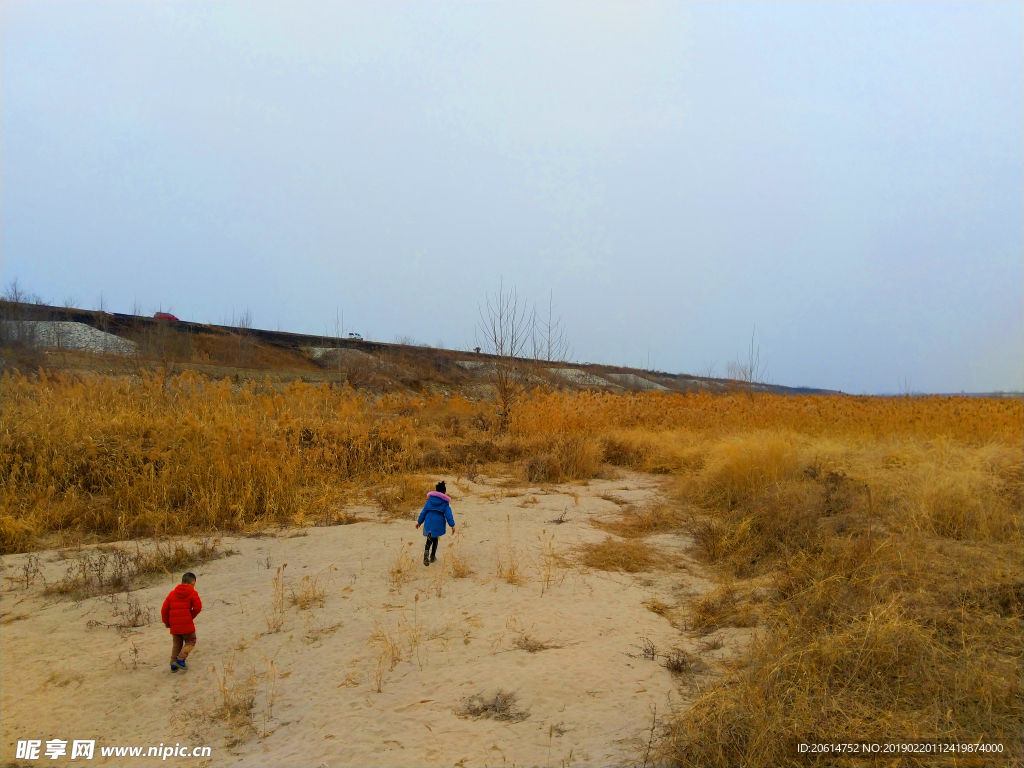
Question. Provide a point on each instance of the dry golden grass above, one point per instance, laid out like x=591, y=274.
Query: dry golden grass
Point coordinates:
x=312, y=590
x=626, y=555
x=461, y=566
x=646, y=521
x=403, y=569
x=112, y=569
x=569, y=458
x=509, y=562
x=274, y=618
x=177, y=454
x=719, y=608
x=405, y=495
x=896, y=599
x=238, y=693
x=655, y=605
x=887, y=530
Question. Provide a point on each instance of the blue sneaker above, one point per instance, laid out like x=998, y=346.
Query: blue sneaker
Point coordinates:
x=180, y=663
x=174, y=668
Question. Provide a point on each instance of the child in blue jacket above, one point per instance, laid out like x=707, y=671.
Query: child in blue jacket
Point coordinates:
x=435, y=513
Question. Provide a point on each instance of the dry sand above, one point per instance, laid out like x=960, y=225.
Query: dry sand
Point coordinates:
x=590, y=698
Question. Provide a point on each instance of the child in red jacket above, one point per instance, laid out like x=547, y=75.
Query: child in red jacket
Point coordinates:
x=178, y=611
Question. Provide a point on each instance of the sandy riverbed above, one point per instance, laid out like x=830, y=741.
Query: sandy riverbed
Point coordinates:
x=589, y=698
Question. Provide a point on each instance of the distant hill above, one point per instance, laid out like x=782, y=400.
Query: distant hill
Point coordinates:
x=242, y=352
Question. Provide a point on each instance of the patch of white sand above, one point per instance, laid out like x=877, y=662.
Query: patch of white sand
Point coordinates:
x=589, y=697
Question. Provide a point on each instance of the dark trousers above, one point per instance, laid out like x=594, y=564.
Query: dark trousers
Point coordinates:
x=430, y=548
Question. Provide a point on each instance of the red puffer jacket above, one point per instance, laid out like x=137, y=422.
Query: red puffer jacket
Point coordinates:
x=179, y=608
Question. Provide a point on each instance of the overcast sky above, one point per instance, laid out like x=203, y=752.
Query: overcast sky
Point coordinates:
x=848, y=178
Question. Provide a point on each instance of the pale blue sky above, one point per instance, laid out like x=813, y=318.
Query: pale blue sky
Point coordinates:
x=848, y=177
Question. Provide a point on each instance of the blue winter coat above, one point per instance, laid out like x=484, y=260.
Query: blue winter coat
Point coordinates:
x=435, y=512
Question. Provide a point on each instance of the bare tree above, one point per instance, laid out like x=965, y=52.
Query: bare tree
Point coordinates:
x=102, y=318
x=751, y=371
x=245, y=343
x=18, y=328
x=503, y=331
x=553, y=344
x=339, y=333
x=14, y=293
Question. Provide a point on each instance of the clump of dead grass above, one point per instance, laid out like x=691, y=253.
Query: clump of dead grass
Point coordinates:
x=722, y=607
x=530, y=644
x=499, y=706
x=637, y=522
x=461, y=565
x=402, y=569
x=111, y=569
x=509, y=565
x=388, y=652
x=238, y=693
x=312, y=590
x=625, y=555
x=658, y=607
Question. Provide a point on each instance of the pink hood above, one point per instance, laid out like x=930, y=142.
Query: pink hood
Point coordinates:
x=439, y=495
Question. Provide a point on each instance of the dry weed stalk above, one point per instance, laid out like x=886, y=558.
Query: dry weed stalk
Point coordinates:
x=278, y=611
x=402, y=569
x=437, y=578
x=133, y=658
x=553, y=568
x=388, y=655
x=238, y=693
x=460, y=564
x=508, y=565
x=237, y=697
